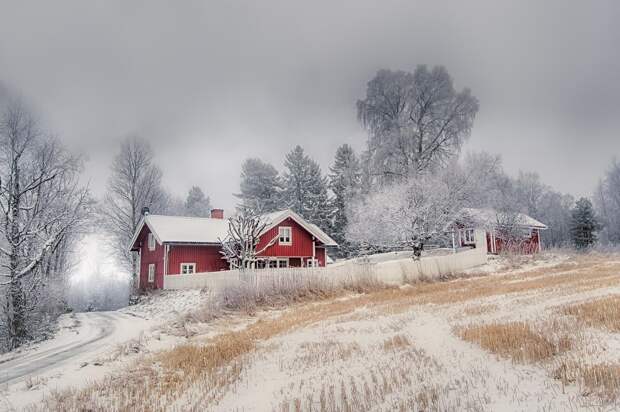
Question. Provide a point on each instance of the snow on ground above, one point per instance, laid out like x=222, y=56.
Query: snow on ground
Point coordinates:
x=518, y=264
x=397, y=255
x=91, y=345
x=77, y=355
x=380, y=363
x=369, y=359
x=166, y=305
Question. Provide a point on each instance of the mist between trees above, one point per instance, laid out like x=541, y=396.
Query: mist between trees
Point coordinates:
x=402, y=191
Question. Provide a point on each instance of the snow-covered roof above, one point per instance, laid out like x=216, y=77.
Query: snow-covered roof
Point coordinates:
x=181, y=229
x=490, y=217
x=205, y=230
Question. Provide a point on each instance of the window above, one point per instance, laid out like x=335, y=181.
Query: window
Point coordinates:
x=312, y=263
x=188, y=268
x=151, y=242
x=151, y=272
x=284, y=235
x=278, y=263
x=468, y=237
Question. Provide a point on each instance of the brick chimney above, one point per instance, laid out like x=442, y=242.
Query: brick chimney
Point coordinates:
x=217, y=213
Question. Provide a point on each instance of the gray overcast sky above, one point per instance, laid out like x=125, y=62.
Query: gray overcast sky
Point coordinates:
x=213, y=82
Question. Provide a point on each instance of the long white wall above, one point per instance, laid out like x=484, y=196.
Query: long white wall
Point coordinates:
x=395, y=272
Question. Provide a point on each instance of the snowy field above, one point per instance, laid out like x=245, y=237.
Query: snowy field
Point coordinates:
x=515, y=334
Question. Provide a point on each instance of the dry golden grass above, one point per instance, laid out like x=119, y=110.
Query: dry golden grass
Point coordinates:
x=586, y=273
x=601, y=380
x=396, y=342
x=514, y=340
x=374, y=389
x=600, y=313
x=160, y=379
x=317, y=353
x=476, y=310
x=166, y=375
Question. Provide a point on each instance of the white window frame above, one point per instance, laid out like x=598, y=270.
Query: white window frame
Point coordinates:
x=188, y=265
x=151, y=241
x=151, y=278
x=312, y=263
x=467, y=240
x=282, y=235
x=276, y=263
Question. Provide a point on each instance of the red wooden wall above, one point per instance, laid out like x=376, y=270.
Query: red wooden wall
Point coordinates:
x=146, y=257
x=301, y=241
x=206, y=258
x=526, y=246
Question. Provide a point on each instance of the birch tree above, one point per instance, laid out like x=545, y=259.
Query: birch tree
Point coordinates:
x=135, y=183
x=42, y=207
x=415, y=121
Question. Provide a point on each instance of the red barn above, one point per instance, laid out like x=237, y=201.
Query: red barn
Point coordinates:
x=176, y=245
x=526, y=238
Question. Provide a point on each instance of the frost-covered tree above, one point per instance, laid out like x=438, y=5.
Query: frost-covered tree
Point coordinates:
x=196, y=203
x=415, y=121
x=135, y=183
x=344, y=181
x=546, y=205
x=305, y=188
x=583, y=224
x=260, y=187
x=42, y=208
x=411, y=213
x=607, y=201
x=239, y=248
x=493, y=188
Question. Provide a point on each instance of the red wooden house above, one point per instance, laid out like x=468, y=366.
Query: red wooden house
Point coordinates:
x=176, y=245
x=527, y=229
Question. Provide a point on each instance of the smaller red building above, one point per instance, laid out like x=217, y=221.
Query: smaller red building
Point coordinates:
x=176, y=245
x=525, y=231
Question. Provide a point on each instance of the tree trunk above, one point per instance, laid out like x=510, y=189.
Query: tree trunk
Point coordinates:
x=15, y=302
x=16, y=315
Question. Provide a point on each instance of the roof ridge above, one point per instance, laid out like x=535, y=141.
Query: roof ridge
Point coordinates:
x=186, y=217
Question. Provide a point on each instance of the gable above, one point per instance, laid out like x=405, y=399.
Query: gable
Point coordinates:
x=301, y=240
x=274, y=218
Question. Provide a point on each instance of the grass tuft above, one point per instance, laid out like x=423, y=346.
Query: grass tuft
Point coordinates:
x=514, y=340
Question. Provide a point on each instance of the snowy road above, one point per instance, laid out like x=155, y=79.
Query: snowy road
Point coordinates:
x=94, y=332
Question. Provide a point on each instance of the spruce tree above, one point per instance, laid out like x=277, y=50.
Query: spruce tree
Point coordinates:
x=305, y=189
x=197, y=204
x=583, y=224
x=344, y=181
x=260, y=186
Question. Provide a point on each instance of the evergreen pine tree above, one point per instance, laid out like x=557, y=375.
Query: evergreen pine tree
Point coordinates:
x=583, y=224
x=260, y=186
x=305, y=189
x=344, y=181
x=197, y=204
